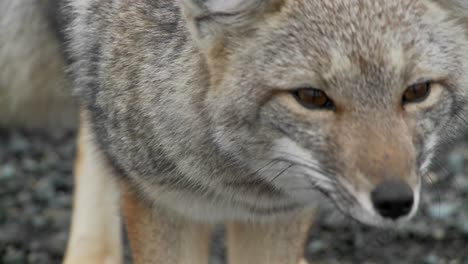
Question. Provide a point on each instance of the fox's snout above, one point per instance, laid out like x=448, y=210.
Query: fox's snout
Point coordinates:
x=381, y=171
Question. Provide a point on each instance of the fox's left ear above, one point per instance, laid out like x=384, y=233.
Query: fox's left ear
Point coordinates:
x=210, y=20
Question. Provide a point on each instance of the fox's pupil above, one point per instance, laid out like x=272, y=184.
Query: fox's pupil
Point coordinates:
x=417, y=92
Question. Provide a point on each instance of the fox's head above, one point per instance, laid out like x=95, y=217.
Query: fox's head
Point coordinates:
x=350, y=97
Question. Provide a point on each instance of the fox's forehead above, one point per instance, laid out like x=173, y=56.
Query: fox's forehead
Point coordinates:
x=354, y=15
x=379, y=12
x=360, y=28
x=344, y=40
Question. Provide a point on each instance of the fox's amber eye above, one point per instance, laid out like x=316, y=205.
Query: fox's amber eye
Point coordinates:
x=417, y=92
x=313, y=99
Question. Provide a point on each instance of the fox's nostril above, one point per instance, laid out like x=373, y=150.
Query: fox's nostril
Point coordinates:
x=392, y=199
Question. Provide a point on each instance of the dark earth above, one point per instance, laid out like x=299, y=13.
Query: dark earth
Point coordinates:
x=35, y=204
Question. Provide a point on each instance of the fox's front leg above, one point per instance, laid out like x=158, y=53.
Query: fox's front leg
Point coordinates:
x=280, y=242
x=95, y=236
x=158, y=236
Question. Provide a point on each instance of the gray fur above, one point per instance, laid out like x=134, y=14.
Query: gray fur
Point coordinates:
x=188, y=108
x=33, y=90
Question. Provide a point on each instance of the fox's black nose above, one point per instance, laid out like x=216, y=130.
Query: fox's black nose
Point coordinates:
x=392, y=199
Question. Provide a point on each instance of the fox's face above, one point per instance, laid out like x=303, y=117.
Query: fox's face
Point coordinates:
x=350, y=97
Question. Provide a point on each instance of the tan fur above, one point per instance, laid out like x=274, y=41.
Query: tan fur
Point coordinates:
x=376, y=151
x=159, y=236
x=278, y=242
x=96, y=230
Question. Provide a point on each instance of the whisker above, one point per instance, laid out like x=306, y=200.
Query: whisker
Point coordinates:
x=282, y=172
x=264, y=167
x=302, y=161
x=345, y=195
x=334, y=191
x=315, y=169
x=319, y=183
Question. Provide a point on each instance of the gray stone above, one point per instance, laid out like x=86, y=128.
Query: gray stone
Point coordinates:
x=7, y=171
x=442, y=210
x=432, y=259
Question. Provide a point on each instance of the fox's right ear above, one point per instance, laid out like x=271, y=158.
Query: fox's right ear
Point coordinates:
x=211, y=20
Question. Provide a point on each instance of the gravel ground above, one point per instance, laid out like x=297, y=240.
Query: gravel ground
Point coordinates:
x=35, y=202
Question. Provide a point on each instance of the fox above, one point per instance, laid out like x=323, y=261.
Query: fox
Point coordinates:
x=247, y=113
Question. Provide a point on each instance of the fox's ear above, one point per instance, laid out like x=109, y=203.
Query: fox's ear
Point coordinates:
x=211, y=19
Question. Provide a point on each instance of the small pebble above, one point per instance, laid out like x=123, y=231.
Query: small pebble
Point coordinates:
x=13, y=256
x=7, y=171
x=18, y=143
x=39, y=258
x=439, y=233
x=39, y=221
x=316, y=247
x=56, y=242
x=432, y=259
x=463, y=226
x=29, y=164
x=442, y=210
x=461, y=183
x=456, y=162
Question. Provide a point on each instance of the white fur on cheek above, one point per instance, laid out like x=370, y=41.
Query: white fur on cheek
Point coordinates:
x=300, y=176
x=417, y=199
x=430, y=146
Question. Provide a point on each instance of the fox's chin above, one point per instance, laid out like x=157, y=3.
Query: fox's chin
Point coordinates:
x=379, y=222
x=374, y=220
